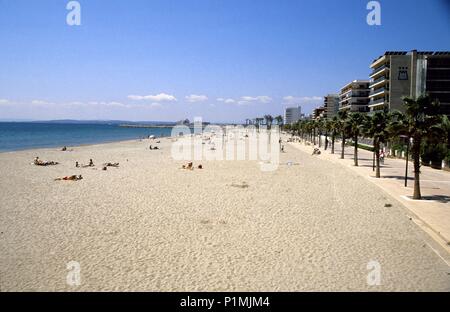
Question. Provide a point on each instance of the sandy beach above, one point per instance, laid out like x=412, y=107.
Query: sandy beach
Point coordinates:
x=151, y=226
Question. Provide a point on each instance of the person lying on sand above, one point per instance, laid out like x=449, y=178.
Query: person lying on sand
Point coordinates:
x=316, y=151
x=154, y=148
x=39, y=162
x=91, y=164
x=189, y=166
x=70, y=178
x=111, y=165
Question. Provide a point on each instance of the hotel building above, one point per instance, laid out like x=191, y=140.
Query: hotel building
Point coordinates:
x=354, y=96
x=319, y=113
x=398, y=74
x=331, y=105
x=292, y=115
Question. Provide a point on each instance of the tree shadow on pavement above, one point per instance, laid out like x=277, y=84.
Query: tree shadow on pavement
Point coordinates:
x=398, y=177
x=439, y=198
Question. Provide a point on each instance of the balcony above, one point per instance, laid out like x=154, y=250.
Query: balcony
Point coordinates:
x=359, y=94
x=380, y=60
x=377, y=92
x=379, y=81
x=378, y=102
x=380, y=70
x=345, y=107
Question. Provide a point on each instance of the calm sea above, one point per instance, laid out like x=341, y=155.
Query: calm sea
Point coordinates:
x=28, y=135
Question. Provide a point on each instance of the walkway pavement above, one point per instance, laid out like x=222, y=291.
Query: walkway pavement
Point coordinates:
x=432, y=213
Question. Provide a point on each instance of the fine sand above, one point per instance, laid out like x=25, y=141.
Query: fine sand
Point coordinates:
x=151, y=226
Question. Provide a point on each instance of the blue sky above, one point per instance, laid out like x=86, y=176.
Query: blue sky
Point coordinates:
x=144, y=59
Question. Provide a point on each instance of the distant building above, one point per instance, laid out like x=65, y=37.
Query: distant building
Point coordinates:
x=292, y=115
x=354, y=96
x=319, y=113
x=185, y=122
x=331, y=105
x=398, y=74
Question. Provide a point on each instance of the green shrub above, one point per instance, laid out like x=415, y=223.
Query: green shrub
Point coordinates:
x=433, y=153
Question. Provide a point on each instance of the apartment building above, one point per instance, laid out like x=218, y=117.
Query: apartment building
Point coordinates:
x=319, y=113
x=398, y=74
x=354, y=96
x=331, y=105
x=433, y=78
x=292, y=115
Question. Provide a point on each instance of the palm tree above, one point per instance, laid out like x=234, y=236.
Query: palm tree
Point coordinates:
x=258, y=121
x=343, y=128
x=446, y=128
x=279, y=120
x=320, y=126
x=377, y=128
x=269, y=120
x=327, y=128
x=355, y=123
x=312, y=131
x=422, y=121
x=334, y=130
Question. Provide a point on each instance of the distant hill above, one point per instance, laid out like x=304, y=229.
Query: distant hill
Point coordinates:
x=106, y=122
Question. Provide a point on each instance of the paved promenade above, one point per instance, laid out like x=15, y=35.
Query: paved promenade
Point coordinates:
x=432, y=213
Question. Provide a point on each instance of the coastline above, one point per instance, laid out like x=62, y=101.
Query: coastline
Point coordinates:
x=29, y=135
x=58, y=147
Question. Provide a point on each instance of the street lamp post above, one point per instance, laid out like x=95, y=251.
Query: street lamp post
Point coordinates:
x=407, y=157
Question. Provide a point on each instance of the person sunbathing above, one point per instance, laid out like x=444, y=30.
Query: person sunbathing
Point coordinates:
x=70, y=178
x=39, y=162
x=316, y=151
x=111, y=165
x=91, y=164
x=189, y=166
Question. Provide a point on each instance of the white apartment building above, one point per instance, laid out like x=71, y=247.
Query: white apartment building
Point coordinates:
x=292, y=115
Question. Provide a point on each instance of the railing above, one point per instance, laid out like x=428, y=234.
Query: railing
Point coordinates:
x=380, y=90
x=378, y=80
x=359, y=94
x=379, y=69
x=377, y=102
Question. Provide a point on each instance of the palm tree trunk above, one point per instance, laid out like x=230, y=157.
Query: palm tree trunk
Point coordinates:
x=376, y=146
x=416, y=157
x=314, y=136
x=343, y=146
x=320, y=141
x=356, y=151
x=332, y=143
x=326, y=140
